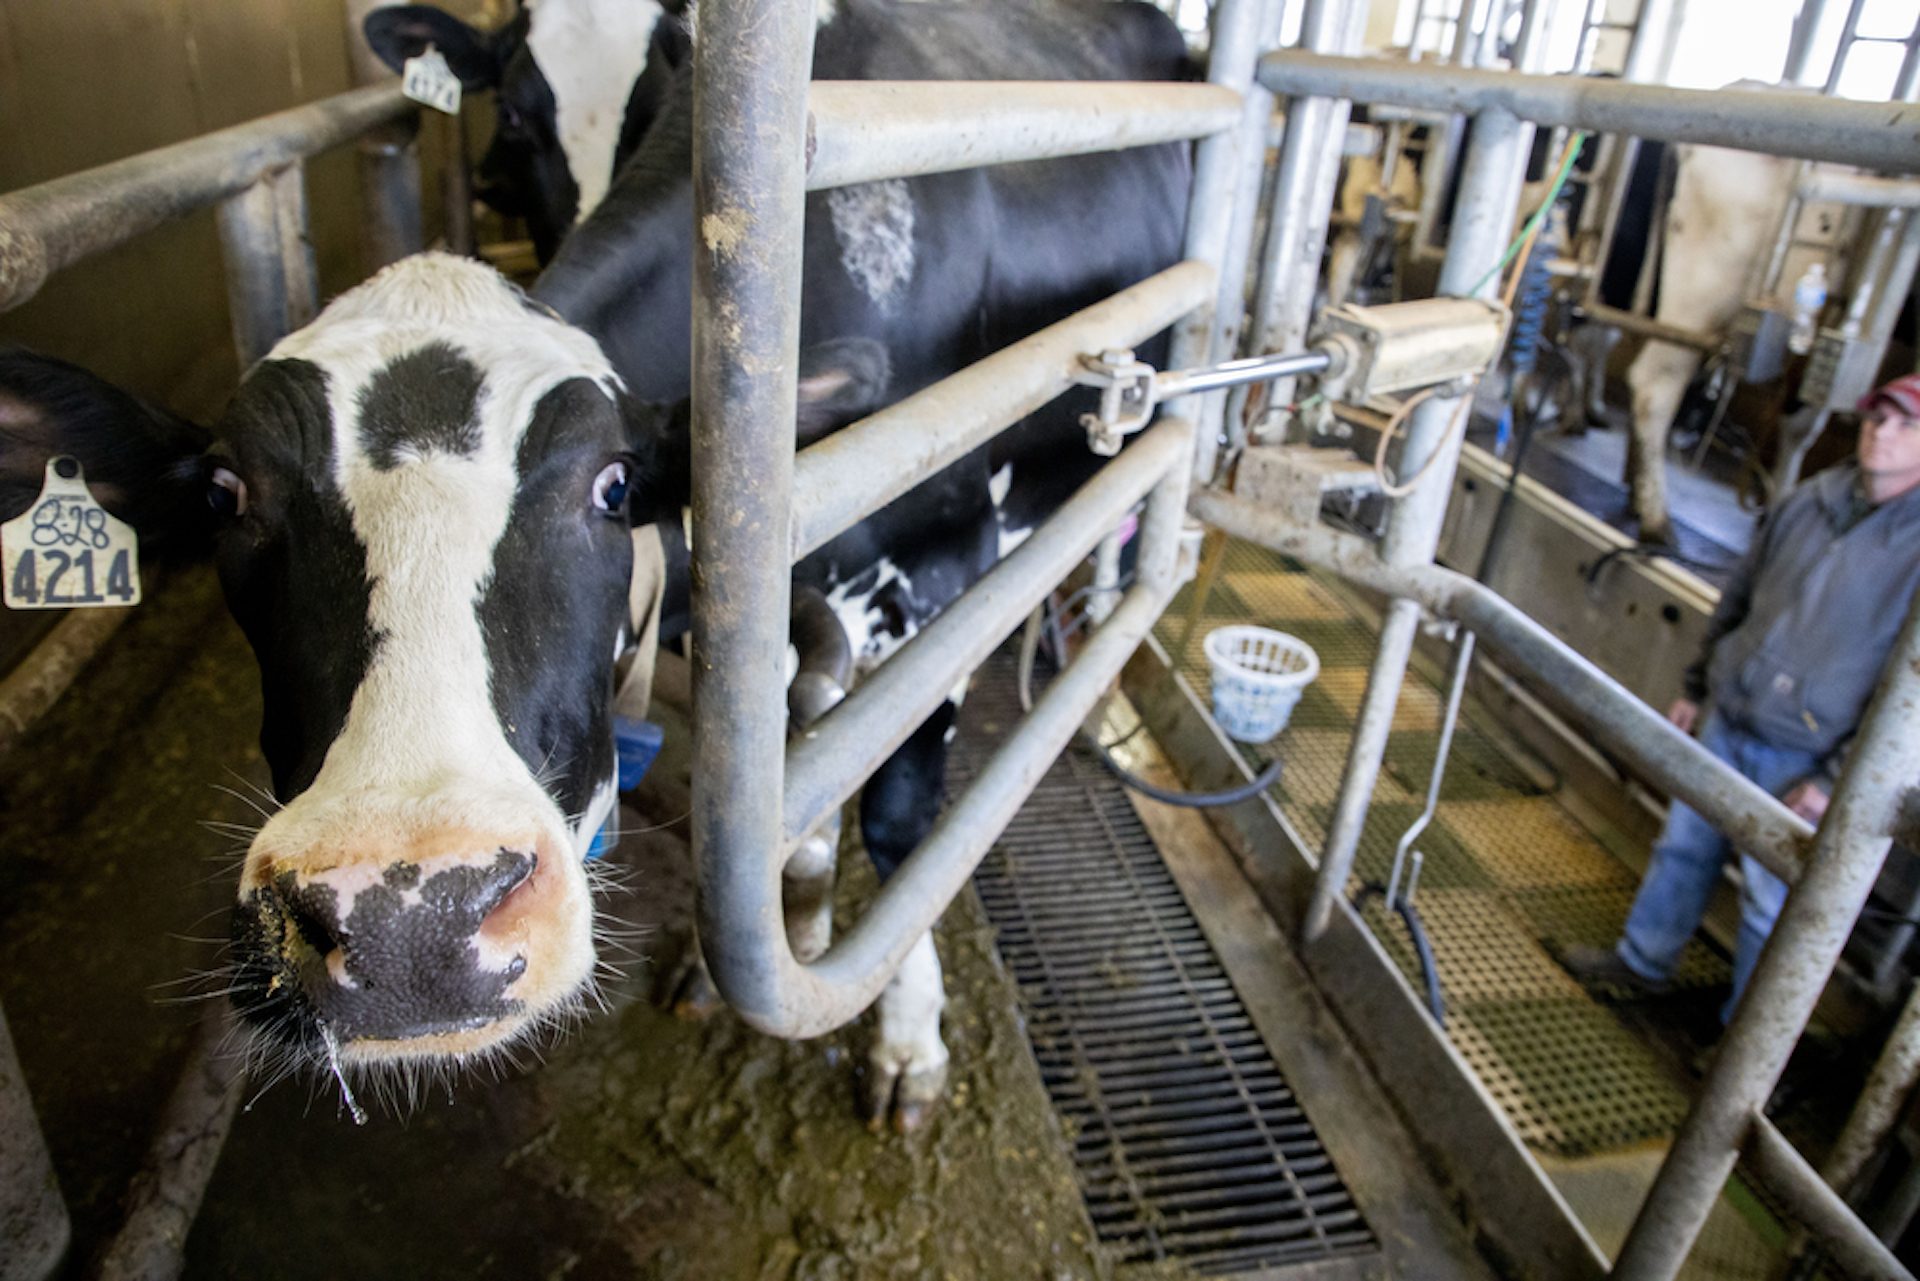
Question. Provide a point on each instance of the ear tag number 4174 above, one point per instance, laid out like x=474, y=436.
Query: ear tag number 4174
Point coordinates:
x=67, y=551
x=429, y=81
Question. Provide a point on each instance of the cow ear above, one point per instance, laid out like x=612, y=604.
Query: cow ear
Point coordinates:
x=144, y=464
x=839, y=381
x=403, y=31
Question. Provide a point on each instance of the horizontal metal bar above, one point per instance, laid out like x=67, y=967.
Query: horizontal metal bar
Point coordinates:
x=1833, y=187
x=1647, y=327
x=847, y=744
x=778, y=995
x=867, y=130
x=1238, y=373
x=1754, y=820
x=1873, y=135
x=912, y=901
x=1808, y=1199
x=39, y=679
x=861, y=468
x=56, y=224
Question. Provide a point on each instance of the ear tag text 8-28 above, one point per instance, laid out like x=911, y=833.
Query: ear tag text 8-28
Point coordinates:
x=66, y=551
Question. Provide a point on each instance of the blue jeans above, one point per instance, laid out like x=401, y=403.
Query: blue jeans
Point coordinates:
x=1686, y=865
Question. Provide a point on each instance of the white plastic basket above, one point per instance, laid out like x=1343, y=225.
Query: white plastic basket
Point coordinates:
x=1258, y=676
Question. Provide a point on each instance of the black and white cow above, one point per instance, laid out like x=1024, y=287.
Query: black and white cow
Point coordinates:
x=420, y=506
x=578, y=85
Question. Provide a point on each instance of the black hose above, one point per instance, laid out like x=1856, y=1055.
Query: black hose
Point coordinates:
x=1029, y=653
x=1422, y=949
x=1191, y=800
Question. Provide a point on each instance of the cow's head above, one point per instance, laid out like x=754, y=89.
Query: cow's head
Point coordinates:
x=419, y=507
x=579, y=81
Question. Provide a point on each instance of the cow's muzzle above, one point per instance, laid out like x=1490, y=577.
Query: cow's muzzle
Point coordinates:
x=415, y=951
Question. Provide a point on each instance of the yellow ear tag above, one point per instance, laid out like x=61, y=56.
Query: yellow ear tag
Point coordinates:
x=67, y=551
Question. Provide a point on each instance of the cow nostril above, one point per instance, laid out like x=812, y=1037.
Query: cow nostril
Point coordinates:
x=313, y=920
x=510, y=870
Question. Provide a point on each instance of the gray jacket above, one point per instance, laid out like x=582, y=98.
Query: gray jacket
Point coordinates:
x=1795, y=649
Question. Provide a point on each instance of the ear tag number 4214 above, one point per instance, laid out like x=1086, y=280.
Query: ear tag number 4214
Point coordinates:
x=429, y=81
x=67, y=551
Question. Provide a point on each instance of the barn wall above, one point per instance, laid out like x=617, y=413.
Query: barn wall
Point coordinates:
x=83, y=82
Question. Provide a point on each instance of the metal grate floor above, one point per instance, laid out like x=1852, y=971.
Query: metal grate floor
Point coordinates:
x=1188, y=1143
x=1507, y=871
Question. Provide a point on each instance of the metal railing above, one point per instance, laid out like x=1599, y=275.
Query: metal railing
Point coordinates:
x=763, y=138
x=254, y=175
x=1837, y=870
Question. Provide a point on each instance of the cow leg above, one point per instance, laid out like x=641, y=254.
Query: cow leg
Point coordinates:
x=1590, y=348
x=1343, y=266
x=1658, y=377
x=907, y=1064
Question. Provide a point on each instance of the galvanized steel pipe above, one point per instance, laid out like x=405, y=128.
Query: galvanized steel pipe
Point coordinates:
x=1219, y=223
x=1848, y=850
x=1483, y=221
x=861, y=468
x=1836, y=187
x=1301, y=207
x=808, y=1000
x=1873, y=135
x=837, y=754
x=750, y=72
x=1849, y=1243
x=867, y=130
x=34, y=1227
x=1753, y=820
x=56, y=224
x=1881, y=1100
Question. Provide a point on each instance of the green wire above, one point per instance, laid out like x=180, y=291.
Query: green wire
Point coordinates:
x=1526, y=228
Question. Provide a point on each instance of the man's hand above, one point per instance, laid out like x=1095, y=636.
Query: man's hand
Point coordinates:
x=1807, y=799
x=1684, y=714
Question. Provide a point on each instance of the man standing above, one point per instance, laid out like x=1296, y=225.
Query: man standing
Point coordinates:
x=1792, y=655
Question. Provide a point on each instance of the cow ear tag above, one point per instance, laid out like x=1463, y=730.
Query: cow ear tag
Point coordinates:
x=429, y=81
x=67, y=551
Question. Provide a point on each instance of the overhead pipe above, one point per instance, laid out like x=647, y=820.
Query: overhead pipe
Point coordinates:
x=1872, y=135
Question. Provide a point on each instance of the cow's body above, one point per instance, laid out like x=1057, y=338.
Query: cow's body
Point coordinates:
x=420, y=506
x=937, y=271
x=1719, y=223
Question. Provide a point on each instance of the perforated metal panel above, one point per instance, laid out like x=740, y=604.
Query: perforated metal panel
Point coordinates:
x=1507, y=872
x=1189, y=1145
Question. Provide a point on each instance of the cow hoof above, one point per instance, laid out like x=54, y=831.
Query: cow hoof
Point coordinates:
x=689, y=992
x=902, y=1100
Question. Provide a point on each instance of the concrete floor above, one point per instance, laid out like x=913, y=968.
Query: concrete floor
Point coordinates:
x=642, y=1146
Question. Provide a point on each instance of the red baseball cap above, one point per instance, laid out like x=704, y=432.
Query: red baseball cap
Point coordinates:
x=1902, y=396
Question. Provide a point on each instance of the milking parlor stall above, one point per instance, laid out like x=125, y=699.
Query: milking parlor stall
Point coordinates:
x=997, y=639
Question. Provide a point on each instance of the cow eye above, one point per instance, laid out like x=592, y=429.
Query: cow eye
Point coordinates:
x=610, y=488
x=226, y=493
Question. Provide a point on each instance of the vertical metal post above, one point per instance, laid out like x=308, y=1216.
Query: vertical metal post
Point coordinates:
x=1806, y=29
x=1881, y=1100
x=390, y=187
x=456, y=187
x=1301, y=206
x=1214, y=233
x=272, y=287
x=389, y=158
x=750, y=72
x=1820, y=911
x=1482, y=224
x=34, y=1229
